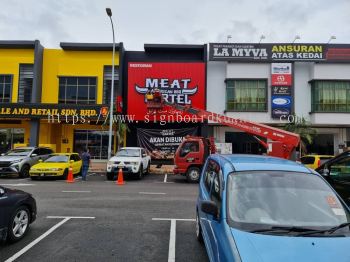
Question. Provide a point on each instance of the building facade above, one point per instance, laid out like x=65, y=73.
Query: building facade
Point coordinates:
x=179, y=73
x=268, y=83
x=57, y=97
x=60, y=97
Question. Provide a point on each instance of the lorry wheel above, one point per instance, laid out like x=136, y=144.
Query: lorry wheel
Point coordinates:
x=24, y=173
x=193, y=174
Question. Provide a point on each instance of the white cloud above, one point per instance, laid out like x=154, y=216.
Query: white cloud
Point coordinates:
x=182, y=21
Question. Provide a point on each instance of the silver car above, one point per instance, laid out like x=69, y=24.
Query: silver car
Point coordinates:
x=19, y=160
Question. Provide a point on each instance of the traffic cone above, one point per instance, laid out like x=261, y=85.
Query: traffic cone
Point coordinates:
x=120, y=180
x=70, y=178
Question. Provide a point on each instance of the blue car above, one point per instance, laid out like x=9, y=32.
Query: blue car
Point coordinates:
x=265, y=209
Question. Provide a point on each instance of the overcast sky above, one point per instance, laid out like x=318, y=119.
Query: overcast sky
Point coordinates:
x=174, y=22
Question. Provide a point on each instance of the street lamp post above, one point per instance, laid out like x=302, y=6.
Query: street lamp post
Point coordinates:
x=109, y=13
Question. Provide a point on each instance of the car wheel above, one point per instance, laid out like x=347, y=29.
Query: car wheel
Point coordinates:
x=24, y=173
x=140, y=173
x=110, y=176
x=198, y=230
x=65, y=174
x=19, y=224
x=193, y=174
x=33, y=178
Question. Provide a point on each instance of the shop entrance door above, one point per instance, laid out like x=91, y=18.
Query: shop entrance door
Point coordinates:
x=9, y=137
x=243, y=143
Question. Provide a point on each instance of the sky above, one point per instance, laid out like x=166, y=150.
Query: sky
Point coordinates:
x=174, y=22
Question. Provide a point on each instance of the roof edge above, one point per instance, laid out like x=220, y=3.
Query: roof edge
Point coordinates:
x=70, y=46
x=18, y=44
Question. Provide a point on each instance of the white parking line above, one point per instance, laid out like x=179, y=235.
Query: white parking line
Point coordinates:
x=152, y=193
x=67, y=191
x=172, y=238
x=19, y=184
x=36, y=241
x=165, y=178
x=48, y=232
x=70, y=217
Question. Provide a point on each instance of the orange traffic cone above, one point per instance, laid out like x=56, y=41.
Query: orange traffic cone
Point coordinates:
x=120, y=180
x=70, y=178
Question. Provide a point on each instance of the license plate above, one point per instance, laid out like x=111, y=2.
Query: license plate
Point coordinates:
x=42, y=174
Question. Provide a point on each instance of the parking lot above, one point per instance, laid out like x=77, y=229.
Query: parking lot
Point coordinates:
x=144, y=220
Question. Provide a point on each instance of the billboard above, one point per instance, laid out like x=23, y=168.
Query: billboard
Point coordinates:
x=180, y=83
x=255, y=52
x=161, y=144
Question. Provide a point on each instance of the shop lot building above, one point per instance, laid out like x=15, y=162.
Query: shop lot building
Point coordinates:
x=267, y=82
x=70, y=84
x=259, y=82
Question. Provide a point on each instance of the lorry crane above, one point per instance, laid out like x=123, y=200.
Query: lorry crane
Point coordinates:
x=192, y=152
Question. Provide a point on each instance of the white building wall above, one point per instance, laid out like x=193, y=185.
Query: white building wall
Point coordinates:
x=302, y=89
x=326, y=123
x=331, y=71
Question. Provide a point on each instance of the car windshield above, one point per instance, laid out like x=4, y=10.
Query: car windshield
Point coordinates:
x=128, y=152
x=19, y=152
x=57, y=159
x=266, y=199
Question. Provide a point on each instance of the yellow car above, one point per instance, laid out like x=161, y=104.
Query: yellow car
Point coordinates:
x=57, y=165
x=314, y=161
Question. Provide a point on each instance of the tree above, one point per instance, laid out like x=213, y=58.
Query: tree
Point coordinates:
x=302, y=127
x=121, y=129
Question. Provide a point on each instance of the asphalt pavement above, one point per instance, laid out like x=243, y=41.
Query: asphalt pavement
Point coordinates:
x=144, y=220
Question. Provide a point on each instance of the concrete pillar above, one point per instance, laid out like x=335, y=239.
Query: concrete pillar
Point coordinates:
x=34, y=132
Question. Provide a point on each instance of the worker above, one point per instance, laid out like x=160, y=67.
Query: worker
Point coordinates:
x=149, y=95
x=157, y=96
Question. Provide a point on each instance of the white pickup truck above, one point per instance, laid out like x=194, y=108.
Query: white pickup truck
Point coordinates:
x=132, y=160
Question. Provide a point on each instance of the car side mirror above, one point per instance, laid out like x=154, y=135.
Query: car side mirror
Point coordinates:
x=33, y=155
x=40, y=160
x=71, y=161
x=144, y=155
x=325, y=172
x=210, y=207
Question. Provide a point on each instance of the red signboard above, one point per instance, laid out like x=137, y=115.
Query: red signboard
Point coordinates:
x=180, y=83
x=281, y=80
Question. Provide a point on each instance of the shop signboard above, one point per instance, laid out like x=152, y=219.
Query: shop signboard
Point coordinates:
x=281, y=105
x=180, y=83
x=256, y=52
x=161, y=144
x=281, y=89
x=10, y=110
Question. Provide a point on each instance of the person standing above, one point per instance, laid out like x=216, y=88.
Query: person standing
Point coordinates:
x=86, y=159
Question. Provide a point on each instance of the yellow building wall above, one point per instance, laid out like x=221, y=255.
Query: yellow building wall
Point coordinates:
x=9, y=64
x=73, y=63
x=54, y=134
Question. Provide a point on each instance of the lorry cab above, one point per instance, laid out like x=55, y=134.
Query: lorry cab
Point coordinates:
x=190, y=156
